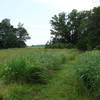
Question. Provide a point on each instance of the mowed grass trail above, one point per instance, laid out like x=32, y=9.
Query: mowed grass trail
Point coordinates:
x=64, y=85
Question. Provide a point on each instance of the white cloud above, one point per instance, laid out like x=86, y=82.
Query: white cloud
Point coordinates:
x=67, y=5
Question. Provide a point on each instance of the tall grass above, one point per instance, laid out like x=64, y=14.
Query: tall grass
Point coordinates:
x=13, y=70
x=33, y=68
x=88, y=69
x=19, y=92
x=49, y=74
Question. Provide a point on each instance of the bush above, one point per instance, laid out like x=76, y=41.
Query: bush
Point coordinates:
x=88, y=68
x=82, y=44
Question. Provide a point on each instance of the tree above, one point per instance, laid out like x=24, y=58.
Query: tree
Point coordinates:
x=78, y=24
x=5, y=29
x=59, y=29
x=11, y=37
x=73, y=24
x=78, y=28
x=68, y=29
x=94, y=27
x=22, y=33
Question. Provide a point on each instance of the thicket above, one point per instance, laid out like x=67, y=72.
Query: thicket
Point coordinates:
x=78, y=29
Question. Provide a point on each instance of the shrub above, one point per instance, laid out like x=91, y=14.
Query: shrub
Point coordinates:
x=88, y=68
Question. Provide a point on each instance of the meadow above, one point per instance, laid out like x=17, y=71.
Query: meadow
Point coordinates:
x=49, y=74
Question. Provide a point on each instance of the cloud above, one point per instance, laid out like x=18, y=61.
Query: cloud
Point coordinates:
x=67, y=5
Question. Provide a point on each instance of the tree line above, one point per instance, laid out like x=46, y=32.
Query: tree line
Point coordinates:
x=78, y=29
x=11, y=37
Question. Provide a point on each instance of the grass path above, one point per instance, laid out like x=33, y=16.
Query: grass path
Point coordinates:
x=63, y=86
x=59, y=87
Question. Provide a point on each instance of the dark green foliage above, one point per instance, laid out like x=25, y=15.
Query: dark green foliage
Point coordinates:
x=59, y=28
x=79, y=28
x=82, y=43
x=11, y=37
x=94, y=27
x=88, y=69
x=98, y=47
x=20, y=44
x=59, y=45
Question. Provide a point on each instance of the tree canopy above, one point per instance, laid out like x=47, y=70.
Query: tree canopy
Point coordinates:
x=80, y=29
x=11, y=37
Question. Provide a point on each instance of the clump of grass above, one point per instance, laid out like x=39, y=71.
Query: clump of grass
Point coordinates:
x=36, y=75
x=32, y=69
x=88, y=69
x=14, y=70
x=48, y=60
x=18, y=93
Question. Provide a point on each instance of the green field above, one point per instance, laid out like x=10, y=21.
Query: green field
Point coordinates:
x=55, y=75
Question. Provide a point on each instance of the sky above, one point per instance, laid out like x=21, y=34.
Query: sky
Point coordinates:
x=36, y=14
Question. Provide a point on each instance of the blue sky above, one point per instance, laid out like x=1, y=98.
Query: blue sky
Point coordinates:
x=36, y=14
